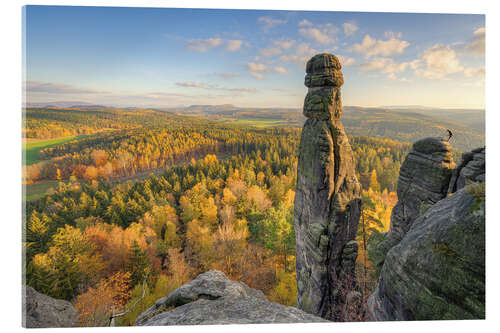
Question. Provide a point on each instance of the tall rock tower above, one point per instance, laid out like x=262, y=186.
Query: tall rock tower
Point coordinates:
x=328, y=197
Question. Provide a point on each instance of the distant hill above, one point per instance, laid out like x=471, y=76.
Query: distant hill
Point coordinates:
x=65, y=104
x=402, y=123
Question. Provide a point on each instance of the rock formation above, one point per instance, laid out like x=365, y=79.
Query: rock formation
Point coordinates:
x=212, y=298
x=327, y=200
x=41, y=311
x=424, y=179
x=437, y=270
x=472, y=169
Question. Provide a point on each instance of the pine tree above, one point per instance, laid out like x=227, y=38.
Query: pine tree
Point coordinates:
x=138, y=264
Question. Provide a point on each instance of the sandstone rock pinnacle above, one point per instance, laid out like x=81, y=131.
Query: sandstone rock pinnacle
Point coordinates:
x=423, y=180
x=328, y=197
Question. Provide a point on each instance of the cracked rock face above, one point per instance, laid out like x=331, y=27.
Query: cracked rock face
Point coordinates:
x=41, y=311
x=471, y=170
x=437, y=271
x=212, y=298
x=328, y=197
x=423, y=180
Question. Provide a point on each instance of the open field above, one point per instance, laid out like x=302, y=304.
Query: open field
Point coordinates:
x=261, y=123
x=32, y=148
x=36, y=191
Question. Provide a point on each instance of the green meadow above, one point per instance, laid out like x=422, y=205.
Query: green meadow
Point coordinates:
x=31, y=149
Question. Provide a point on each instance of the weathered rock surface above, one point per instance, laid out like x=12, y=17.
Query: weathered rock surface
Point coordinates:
x=423, y=180
x=40, y=311
x=471, y=170
x=437, y=271
x=212, y=298
x=328, y=197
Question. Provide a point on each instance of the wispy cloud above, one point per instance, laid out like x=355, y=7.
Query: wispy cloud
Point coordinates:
x=270, y=51
x=280, y=69
x=389, y=67
x=227, y=75
x=268, y=22
x=284, y=44
x=349, y=28
x=372, y=47
x=204, y=45
x=233, y=45
x=346, y=61
x=192, y=84
x=302, y=53
x=305, y=23
x=210, y=86
x=323, y=34
x=58, y=88
x=476, y=45
x=256, y=70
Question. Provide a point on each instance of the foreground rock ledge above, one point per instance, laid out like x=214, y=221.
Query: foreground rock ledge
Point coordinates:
x=42, y=311
x=213, y=299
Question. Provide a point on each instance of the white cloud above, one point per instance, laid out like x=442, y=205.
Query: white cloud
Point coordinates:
x=284, y=44
x=372, y=47
x=316, y=34
x=281, y=70
x=349, y=28
x=305, y=23
x=258, y=76
x=233, y=45
x=323, y=33
x=268, y=22
x=440, y=61
x=389, y=67
x=203, y=45
x=255, y=67
x=57, y=88
x=256, y=70
x=346, y=61
x=270, y=51
x=476, y=45
x=302, y=54
x=471, y=72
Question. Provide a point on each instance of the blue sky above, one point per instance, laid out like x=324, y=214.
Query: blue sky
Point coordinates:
x=171, y=57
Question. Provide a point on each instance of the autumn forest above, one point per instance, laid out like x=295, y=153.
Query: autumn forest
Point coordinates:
x=132, y=199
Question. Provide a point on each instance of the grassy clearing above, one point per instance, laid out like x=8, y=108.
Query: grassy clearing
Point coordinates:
x=31, y=149
x=35, y=191
x=258, y=123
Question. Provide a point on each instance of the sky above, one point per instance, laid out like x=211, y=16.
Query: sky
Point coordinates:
x=163, y=57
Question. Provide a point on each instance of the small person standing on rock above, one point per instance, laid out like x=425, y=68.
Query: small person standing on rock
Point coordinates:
x=449, y=135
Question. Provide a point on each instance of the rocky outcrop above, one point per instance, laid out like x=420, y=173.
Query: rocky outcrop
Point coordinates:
x=327, y=200
x=424, y=179
x=212, y=298
x=471, y=170
x=41, y=311
x=437, y=270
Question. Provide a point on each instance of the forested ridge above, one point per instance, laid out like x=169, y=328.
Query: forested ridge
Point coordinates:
x=93, y=241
